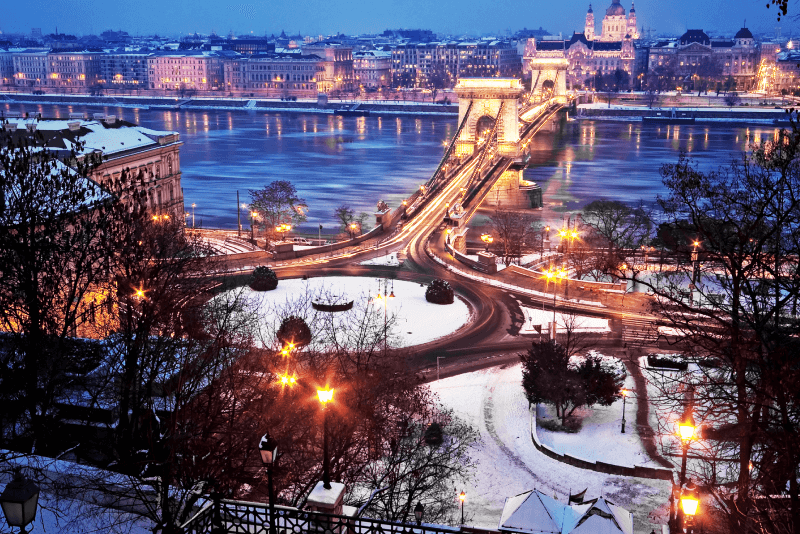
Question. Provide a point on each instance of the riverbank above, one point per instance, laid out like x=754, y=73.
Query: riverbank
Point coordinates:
x=384, y=107
x=776, y=115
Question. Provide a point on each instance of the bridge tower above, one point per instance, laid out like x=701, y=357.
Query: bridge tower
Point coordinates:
x=547, y=69
x=484, y=102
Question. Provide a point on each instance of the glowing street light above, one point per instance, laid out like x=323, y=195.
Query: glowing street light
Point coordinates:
x=625, y=393
x=690, y=501
x=687, y=432
x=193, y=206
x=462, y=497
x=488, y=239
x=325, y=396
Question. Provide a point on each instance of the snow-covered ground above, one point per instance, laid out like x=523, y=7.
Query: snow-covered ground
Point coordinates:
x=389, y=260
x=543, y=318
x=492, y=400
x=415, y=320
x=600, y=434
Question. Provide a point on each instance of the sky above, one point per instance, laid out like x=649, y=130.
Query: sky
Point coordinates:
x=325, y=17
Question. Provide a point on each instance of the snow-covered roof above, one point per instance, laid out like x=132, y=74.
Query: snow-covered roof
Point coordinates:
x=109, y=138
x=533, y=512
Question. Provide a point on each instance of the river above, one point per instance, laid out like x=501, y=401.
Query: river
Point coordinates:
x=358, y=161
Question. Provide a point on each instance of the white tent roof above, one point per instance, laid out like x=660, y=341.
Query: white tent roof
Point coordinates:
x=533, y=512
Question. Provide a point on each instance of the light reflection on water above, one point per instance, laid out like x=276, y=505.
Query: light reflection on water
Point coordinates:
x=334, y=160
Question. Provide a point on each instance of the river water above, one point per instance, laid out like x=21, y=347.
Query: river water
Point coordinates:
x=360, y=160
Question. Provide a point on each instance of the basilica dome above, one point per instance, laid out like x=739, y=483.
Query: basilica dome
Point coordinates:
x=615, y=9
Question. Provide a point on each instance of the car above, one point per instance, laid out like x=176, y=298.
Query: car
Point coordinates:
x=300, y=241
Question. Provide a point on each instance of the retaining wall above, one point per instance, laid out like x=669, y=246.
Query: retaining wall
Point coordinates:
x=601, y=467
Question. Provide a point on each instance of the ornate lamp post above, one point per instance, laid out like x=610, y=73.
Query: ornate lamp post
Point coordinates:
x=686, y=431
x=325, y=396
x=462, y=497
x=690, y=500
x=19, y=501
x=625, y=394
x=418, y=511
x=269, y=455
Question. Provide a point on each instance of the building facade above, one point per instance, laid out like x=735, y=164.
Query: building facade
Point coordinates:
x=587, y=54
x=696, y=54
x=187, y=70
x=73, y=70
x=337, y=67
x=372, y=69
x=124, y=70
x=439, y=64
x=30, y=68
x=278, y=74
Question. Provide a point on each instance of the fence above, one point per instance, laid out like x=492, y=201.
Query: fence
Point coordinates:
x=238, y=517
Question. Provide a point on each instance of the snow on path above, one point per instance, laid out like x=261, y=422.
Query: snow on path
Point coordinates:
x=492, y=401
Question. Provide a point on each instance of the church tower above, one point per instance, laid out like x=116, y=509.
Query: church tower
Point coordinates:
x=588, y=28
x=632, y=31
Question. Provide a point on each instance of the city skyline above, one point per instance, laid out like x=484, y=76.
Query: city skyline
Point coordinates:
x=314, y=17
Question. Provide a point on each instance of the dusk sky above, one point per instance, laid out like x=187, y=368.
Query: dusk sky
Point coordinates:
x=313, y=17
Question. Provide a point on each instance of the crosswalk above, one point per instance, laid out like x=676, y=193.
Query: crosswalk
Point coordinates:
x=639, y=331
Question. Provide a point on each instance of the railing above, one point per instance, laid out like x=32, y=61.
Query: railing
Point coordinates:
x=238, y=517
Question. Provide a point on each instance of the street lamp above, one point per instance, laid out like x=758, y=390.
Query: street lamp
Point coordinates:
x=282, y=229
x=462, y=497
x=690, y=500
x=325, y=396
x=353, y=227
x=553, y=275
x=193, y=206
x=418, y=511
x=253, y=214
x=488, y=239
x=686, y=431
x=269, y=455
x=625, y=393
x=19, y=501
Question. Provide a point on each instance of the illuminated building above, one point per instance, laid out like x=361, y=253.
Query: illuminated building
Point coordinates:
x=587, y=54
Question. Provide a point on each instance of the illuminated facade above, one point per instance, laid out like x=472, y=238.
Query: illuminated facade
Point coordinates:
x=186, y=70
x=372, y=68
x=124, y=69
x=422, y=64
x=274, y=74
x=337, y=67
x=696, y=53
x=584, y=54
x=73, y=70
x=30, y=68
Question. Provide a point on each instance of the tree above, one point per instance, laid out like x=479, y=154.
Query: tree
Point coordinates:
x=619, y=228
x=743, y=228
x=549, y=375
x=55, y=254
x=439, y=292
x=732, y=99
x=277, y=203
x=423, y=463
x=263, y=279
x=516, y=231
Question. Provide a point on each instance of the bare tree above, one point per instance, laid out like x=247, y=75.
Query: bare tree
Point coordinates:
x=516, y=232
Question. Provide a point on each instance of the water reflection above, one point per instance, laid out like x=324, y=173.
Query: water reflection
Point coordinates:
x=333, y=160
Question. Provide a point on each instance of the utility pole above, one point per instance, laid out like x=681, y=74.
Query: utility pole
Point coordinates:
x=238, y=214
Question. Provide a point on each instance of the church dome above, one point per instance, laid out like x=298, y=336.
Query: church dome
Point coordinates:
x=615, y=9
x=590, y=9
x=744, y=33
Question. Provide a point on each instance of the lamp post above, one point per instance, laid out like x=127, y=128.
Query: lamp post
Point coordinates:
x=686, y=431
x=488, y=239
x=269, y=455
x=462, y=497
x=19, y=501
x=690, y=500
x=625, y=394
x=325, y=396
x=253, y=214
x=418, y=511
x=547, y=233
x=553, y=275
x=193, y=206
